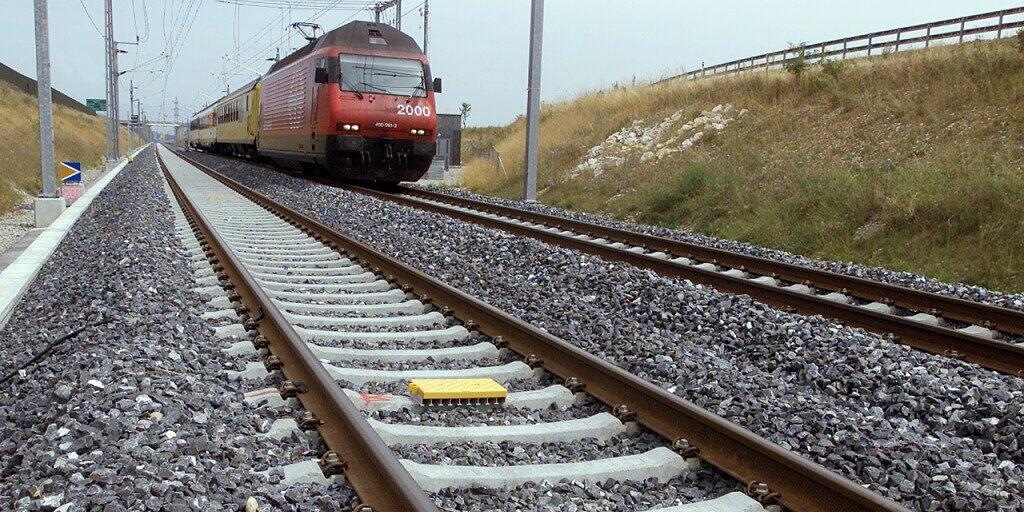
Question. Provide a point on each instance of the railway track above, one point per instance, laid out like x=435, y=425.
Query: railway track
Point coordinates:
x=953, y=327
x=325, y=309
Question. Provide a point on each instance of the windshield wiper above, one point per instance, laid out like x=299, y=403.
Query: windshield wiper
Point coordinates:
x=385, y=91
x=395, y=74
x=414, y=89
x=358, y=94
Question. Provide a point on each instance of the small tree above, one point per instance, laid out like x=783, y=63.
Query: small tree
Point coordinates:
x=797, y=65
x=1020, y=40
x=464, y=110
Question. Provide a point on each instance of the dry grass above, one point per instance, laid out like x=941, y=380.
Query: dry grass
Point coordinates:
x=912, y=161
x=77, y=136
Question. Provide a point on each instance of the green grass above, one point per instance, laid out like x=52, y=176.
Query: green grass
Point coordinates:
x=910, y=161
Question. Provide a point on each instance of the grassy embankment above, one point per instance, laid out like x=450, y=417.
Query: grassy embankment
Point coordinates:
x=911, y=161
x=77, y=136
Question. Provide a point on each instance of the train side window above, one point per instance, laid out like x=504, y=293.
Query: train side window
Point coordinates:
x=320, y=74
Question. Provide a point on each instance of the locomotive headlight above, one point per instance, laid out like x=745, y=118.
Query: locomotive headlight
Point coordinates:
x=355, y=127
x=415, y=131
x=346, y=127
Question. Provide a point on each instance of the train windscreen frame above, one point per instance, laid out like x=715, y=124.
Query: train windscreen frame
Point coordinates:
x=371, y=74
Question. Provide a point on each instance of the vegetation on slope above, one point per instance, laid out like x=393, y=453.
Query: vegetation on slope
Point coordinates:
x=77, y=136
x=911, y=161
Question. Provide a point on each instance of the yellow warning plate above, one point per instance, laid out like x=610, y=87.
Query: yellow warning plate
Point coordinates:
x=457, y=389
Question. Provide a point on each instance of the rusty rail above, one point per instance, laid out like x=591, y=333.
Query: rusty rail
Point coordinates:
x=885, y=40
x=801, y=485
x=996, y=355
x=378, y=477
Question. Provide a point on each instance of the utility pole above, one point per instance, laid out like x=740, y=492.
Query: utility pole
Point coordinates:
x=48, y=205
x=533, y=101
x=426, y=23
x=131, y=100
x=176, y=110
x=113, y=144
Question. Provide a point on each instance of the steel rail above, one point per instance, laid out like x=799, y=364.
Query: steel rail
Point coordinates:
x=369, y=465
x=801, y=485
x=955, y=308
x=995, y=355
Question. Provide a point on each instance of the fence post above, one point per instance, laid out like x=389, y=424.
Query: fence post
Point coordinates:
x=1000, y=33
x=870, y=44
x=899, y=35
x=963, y=22
x=844, y=50
x=928, y=37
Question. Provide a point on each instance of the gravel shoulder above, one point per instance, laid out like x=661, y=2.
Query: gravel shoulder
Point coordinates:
x=134, y=414
x=907, y=279
x=20, y=220
x=929, y=432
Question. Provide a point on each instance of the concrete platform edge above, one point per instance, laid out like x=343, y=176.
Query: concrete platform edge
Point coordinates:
x=19, y=275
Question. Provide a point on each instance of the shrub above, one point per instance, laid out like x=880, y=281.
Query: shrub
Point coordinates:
x=797, y=65
x=833, y=68
x=1020, y=40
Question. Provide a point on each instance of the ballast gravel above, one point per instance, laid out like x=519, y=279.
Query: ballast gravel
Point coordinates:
x=907, y=279
x=609, y=496
x=134, y=414
x=510, y=453
x=929, y=432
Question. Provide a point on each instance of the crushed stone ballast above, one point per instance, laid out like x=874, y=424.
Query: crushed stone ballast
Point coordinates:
x=341, y=310
x=797, y=483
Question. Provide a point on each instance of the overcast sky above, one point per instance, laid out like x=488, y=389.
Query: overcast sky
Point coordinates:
x=479, y=48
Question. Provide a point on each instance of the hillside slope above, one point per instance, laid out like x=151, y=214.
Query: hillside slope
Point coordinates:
x=911, y=161
x=77, y=136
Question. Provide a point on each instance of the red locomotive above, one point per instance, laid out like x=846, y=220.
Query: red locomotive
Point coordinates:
x=355, y=103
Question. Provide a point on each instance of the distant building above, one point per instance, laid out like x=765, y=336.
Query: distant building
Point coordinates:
x=449, y=138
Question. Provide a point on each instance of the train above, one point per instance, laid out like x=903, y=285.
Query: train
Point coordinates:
x=356, y=103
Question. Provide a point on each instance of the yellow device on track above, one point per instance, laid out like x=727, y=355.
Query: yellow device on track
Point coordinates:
x=457, y=391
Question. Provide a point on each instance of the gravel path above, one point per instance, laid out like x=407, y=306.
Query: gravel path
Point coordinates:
x=910, y=280
x=926, y=431
x=14, y=224
x=134, y=414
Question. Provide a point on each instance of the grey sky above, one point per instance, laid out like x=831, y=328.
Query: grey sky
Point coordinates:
x=478, y=47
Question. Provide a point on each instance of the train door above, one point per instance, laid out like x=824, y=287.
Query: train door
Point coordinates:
x=320, y=80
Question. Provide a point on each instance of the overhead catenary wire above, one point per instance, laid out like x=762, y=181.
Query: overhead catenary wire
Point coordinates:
x=91, y=21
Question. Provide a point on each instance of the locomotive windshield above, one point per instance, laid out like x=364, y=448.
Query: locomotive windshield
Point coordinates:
x=382, y=75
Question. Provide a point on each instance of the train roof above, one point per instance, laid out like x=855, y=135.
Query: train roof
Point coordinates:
x=364, y=35
x=236, y=92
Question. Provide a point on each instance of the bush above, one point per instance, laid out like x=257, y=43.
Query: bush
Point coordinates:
x=833, y=68
x=1020, y=40
x=797, y=65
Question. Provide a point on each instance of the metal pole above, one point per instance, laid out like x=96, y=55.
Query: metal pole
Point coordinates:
x=117, y=92
x=533, y=100
x=112, y=152
x=398, y=14
x=47, y=165
x=426, y=23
